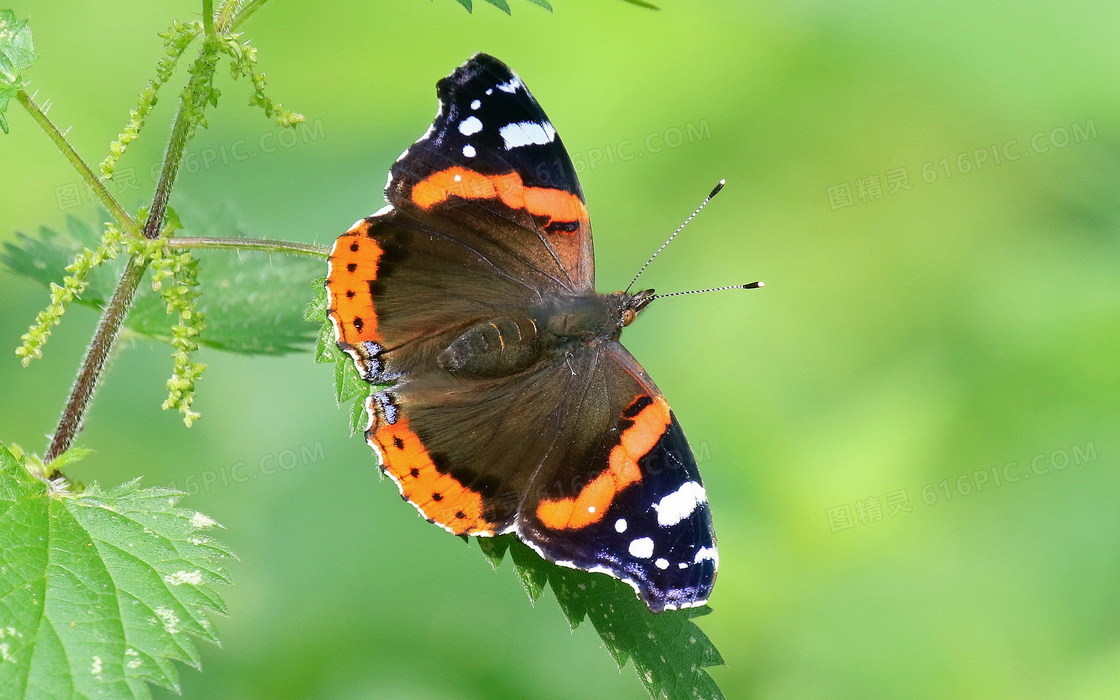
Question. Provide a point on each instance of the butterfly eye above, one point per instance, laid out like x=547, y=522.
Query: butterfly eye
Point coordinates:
x=628, y=316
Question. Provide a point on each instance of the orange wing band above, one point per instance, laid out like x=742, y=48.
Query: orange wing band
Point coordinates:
x=592, y=502
x=557, y=205
x=353, y=265
x=439, y=497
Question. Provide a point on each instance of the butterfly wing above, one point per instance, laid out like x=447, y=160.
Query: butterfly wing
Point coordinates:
x=486, y=214
x=582, y=458
x=626, y=499
x=486, y=218
x=492, y=152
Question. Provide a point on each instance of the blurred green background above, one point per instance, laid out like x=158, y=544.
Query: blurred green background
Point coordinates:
x=909, y=437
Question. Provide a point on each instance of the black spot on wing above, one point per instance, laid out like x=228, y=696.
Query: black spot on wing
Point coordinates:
x=565, y=226
x=637, y=407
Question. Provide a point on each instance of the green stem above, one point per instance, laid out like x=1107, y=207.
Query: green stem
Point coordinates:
x=192, y=103
x=107, y=200
x=190, y=112
x=100, y=348
x=226, y=12
x=308, y=249
x=208, y=18
x=245, y=12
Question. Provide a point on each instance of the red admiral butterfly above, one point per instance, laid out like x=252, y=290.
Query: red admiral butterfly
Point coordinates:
x=503, y=400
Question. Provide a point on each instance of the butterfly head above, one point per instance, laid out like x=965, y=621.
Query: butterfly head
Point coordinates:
x=629, y=305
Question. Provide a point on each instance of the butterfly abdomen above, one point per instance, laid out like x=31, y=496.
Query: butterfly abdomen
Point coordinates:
x=497, y=347
x=505, y=345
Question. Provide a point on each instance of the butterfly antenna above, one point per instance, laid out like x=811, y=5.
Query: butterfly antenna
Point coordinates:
x=680, y=228
x=750, y=285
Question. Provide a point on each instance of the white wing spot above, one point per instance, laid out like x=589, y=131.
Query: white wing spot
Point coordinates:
x=706, y=554
x=490, y=91
x=590, y=509
x=642, y=548
x=469, y=151
x=458, y=178
x=470, y=125
x=680, y=504
x=661, y=563
x=527, y=134
x=682, y=565
x=476, y=104
x=620, y=525
x=511, y=86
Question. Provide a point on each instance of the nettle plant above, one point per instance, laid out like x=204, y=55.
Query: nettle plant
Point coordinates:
x=103, y=589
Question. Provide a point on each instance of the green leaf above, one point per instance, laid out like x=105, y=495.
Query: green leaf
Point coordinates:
x=668, y=650
x=7, y=92
x=494, y=548
x=316, y=312
x=17, y=49
x=358, y=418
x=503, y=5
x=74, y=454
x=44, y=258
x=17, y=53
x=252, y=300
x=101, y=591
x=348, y=384
x=532, y=577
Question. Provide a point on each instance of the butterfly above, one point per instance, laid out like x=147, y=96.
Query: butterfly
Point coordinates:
x=503, y=401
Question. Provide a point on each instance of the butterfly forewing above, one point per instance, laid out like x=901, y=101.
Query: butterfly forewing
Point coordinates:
x=492, y=148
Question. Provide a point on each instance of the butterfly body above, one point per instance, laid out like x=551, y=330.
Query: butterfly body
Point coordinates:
x=551, y=332
x=503, y=401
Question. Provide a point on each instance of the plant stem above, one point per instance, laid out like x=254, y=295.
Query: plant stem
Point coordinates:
x=246, y=12
x=308, y=249
x=107, y=200
x=100, y=348
x=192, y=103
x=208, y=18
x=185, y=120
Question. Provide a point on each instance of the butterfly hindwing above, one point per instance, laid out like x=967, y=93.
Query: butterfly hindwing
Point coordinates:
x=633, y=506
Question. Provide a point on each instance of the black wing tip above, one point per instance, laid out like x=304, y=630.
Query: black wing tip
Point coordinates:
x=483, y=57
x=478, y=63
